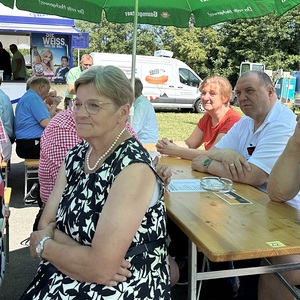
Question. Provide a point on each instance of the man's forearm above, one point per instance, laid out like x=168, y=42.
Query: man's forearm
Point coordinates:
x=284, y=180
x=215, y=154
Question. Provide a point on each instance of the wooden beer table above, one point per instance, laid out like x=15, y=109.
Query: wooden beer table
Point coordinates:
x=226, y=229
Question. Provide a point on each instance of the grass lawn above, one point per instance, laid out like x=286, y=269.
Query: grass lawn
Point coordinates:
x=178, y=125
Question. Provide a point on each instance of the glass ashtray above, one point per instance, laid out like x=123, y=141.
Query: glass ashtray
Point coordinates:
x=216, y=184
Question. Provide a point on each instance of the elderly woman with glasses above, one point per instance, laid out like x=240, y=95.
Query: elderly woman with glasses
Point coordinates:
x=101, y=211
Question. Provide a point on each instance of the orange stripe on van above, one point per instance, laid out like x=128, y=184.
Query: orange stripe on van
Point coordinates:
x=152, y=97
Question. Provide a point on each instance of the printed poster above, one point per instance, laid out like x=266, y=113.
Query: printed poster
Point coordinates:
x=47, y=51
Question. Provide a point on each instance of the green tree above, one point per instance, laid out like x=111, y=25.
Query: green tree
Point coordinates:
x=217, y=49
x=271, y=40
x=118, y=38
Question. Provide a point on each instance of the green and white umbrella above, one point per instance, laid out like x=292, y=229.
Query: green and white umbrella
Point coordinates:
x=157, y=12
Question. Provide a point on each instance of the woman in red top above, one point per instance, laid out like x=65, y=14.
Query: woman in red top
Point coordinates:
x=219, y=118
x=216, y=93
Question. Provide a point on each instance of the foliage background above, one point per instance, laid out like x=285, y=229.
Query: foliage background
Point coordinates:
x=217, y=49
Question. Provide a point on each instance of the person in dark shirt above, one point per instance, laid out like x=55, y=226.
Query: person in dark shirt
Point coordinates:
x=5, y=63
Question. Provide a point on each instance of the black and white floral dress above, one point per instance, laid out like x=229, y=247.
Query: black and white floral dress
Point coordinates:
x=77, y=216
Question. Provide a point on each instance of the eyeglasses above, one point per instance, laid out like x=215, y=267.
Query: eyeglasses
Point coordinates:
x=87, y=65
x=91, y=108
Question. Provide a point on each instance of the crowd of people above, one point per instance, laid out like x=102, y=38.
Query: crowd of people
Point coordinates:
x=89, y=155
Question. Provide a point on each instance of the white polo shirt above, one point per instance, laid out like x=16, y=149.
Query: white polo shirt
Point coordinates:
x=268, y=141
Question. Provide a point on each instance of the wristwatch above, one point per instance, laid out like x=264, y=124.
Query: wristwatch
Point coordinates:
x=40, y=246
x=206, y=163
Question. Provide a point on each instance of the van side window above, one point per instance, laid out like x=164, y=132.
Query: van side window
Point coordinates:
x=188, y=78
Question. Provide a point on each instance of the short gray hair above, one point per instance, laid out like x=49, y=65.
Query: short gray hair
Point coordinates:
x=262, y=76
x=110, y=81
x=39, y=80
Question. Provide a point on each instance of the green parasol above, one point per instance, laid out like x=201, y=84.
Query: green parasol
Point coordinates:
x=157, y=12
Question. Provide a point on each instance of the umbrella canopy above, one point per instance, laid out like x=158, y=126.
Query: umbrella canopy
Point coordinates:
x=157, y=12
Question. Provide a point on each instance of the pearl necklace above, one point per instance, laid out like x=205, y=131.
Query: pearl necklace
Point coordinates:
x=103, y=155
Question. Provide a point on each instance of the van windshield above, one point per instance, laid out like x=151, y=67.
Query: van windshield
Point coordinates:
x=188, y=78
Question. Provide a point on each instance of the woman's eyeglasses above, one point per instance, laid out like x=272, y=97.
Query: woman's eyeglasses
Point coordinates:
x=91, y=108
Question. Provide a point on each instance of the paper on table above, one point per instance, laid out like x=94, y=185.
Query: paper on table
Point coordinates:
x=185, y=185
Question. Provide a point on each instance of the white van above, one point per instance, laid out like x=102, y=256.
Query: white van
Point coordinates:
x=168, y=82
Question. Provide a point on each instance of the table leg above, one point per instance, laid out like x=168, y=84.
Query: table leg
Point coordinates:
x=291, y=288
x=192, y=283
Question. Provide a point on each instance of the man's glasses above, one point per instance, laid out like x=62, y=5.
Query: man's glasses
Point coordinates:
x=91, y=108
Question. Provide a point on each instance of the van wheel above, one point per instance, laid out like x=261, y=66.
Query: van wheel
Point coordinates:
x=199, y=107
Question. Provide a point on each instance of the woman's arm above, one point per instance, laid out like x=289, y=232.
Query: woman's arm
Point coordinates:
x=49, y=212
x=195, y=140
x=115, y=230
x=284, y=179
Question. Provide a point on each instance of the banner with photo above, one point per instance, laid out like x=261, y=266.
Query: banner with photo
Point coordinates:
x=50, y=55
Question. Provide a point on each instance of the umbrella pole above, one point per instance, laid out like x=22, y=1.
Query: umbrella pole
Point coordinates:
x=133, y=60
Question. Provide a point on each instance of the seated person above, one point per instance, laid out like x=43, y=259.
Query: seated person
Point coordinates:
x=60, y=136
x=100, y=170
x=284, y=186
x=7, y=116
x=4, y=213
x=216, y=93
x=32, y=116
x=5, y=146
x=144, y=119
x=53, y=100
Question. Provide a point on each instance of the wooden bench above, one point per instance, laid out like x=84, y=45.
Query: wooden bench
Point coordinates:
x=31, y=172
